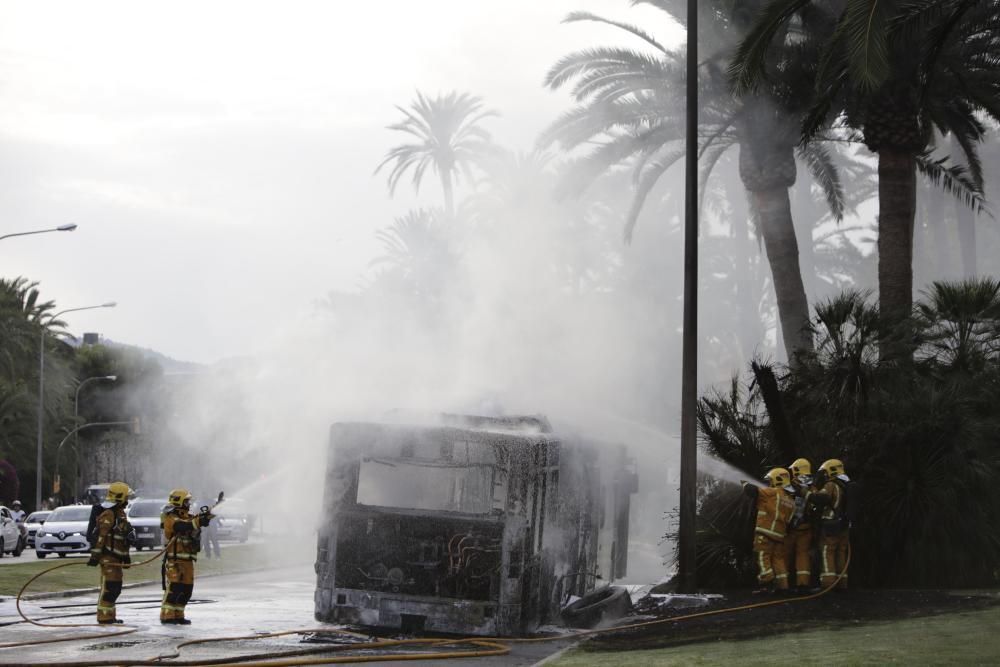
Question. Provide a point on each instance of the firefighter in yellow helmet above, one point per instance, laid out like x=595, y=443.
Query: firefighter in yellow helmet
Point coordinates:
x=775, y=508
x=834, y=525
x=182, y=531
x=799, y=539
x=112, y=538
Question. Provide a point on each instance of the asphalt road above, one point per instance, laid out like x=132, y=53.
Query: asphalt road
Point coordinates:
x=230, y=605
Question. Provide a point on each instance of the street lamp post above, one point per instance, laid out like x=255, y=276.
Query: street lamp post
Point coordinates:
x=41, y=395
x=76, y=430
x=61, y=228
x=687, y=547
x=76, y=417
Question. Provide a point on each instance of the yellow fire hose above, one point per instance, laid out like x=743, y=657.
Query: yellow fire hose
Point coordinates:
x=484, y=646
x=97, y=635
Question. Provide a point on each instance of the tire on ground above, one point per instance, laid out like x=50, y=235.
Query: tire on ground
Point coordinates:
x=600, y=606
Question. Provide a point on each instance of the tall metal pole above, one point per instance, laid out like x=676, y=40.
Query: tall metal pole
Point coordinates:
x=41, y=395
x=41, y=419
x=687, y=549
x=76, y=434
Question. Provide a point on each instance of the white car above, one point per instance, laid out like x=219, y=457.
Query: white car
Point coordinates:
x=144, y=515
x=232, y=527
x=64, y=532
x=10, y=534
x=35, y=521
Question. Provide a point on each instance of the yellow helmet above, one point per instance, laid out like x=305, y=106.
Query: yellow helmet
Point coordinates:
x=778, y=478
x=832, y=467
x=118, y=492
x=179, y=497
x=801, y=467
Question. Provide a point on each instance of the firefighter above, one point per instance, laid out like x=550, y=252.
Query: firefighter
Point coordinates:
x=799, y=539
x=775, y=508
x=113, y=536
x=182, y=531
x=834, y=526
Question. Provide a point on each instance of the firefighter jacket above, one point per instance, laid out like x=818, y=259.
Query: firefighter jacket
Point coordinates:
x=113, y=531
x=185, y=529
x=831, y=499
x=804, y=513
x=775, y=509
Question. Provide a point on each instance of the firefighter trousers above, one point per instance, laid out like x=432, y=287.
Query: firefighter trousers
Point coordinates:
x=770, y=555
x=833, y=559
x=179, y=576
x=798, y=542
x=112, y=576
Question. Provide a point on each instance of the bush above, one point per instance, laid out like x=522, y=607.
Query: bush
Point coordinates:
x=920, y=433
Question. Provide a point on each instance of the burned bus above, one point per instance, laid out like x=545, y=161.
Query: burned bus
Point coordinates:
x=471, y=525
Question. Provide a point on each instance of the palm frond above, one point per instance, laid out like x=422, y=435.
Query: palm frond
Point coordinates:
x=953, y=180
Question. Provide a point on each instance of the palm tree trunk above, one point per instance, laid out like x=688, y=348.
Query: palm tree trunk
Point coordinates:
x=897, y=190
x=449, y=194
x=966, y=238
x=774, y=212
x=804, y=223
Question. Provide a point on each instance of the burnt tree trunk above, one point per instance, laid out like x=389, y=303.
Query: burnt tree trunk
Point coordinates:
x=781, y=428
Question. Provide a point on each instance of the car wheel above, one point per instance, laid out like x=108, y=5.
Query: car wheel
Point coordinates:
x=40, y=554
x=1, y=547
x=138, y=548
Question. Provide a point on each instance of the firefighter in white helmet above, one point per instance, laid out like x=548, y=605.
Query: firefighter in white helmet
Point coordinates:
x=112, y=538
x=182, y=531
x=775, y=507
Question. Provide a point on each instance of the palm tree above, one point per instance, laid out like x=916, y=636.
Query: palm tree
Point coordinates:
x=629, y=104
x=416, y=253
x=448, y=139
x=893, y=72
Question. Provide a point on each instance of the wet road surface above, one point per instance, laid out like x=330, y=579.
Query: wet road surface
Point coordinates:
x=230, y=605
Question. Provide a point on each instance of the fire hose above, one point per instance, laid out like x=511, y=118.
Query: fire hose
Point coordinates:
x=97, y=635
x=482, y=646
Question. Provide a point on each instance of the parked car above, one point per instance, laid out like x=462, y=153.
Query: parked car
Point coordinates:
x=64, y=532
x=233, y=526
x=10, y=534
x=144, y=515
x=35, y=521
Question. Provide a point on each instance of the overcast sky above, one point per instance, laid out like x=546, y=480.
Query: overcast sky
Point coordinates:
x=218, y=156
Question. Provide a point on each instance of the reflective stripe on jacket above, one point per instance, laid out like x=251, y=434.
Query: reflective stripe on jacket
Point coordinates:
x=775, y=508
x=833, y=495
x=112, y=533
x=180, y=524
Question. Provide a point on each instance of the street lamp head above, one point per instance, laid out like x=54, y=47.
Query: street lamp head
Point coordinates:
x=112, y=378
x=67, y=228
x=109, y=304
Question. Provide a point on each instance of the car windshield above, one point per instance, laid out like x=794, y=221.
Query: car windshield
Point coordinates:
x=36, y=517
x=81, y=513
x=149, y=508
